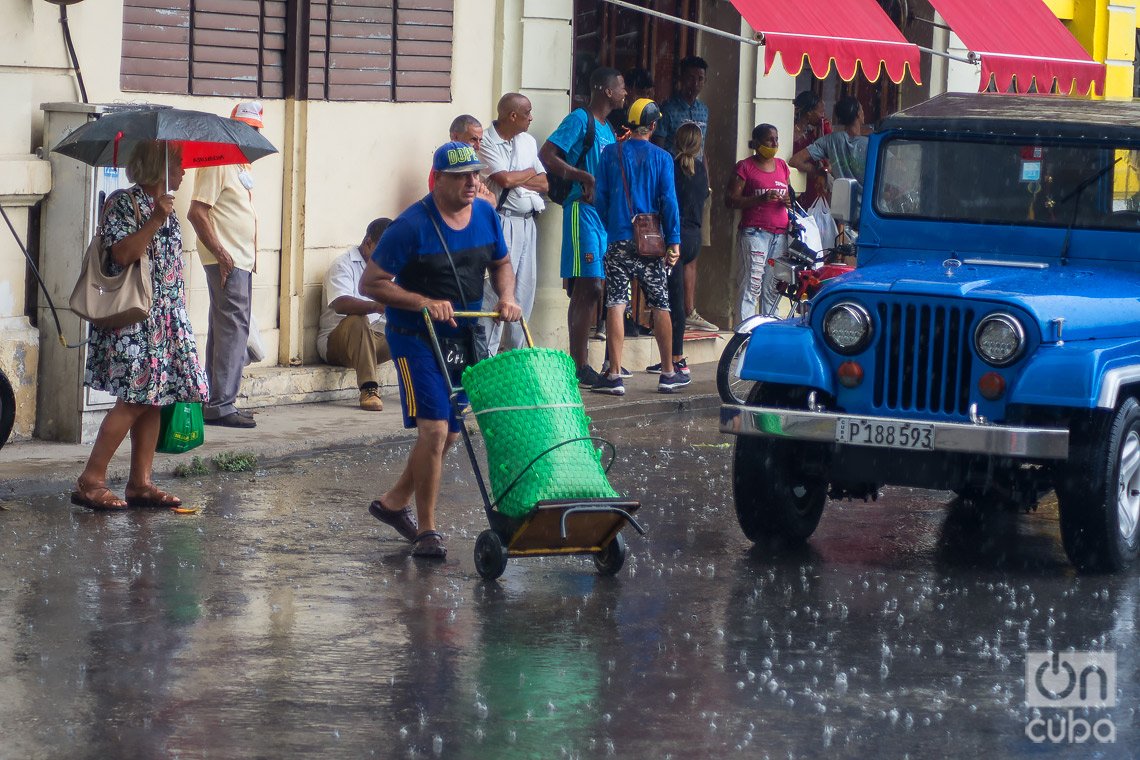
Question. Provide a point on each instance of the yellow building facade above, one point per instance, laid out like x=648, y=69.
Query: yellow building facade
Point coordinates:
x=1107, y=29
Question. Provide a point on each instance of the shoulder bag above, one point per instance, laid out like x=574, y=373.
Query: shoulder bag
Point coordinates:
x=459, y=351
x=647, y=232
x=107, y=300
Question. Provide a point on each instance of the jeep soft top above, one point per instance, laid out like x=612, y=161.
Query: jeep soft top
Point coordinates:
x=1024, y=116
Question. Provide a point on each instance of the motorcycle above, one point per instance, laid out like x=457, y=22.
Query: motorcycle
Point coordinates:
x=800, y=273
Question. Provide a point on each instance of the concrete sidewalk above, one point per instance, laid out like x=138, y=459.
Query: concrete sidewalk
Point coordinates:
x=284, y=431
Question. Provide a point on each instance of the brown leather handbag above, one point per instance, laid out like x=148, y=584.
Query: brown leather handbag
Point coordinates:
x=647, y=232
x=112, y=300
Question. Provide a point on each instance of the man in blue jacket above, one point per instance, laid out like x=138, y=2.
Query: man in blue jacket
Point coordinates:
x=636, y=177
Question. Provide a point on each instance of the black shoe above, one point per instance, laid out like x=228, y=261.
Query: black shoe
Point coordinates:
x=234, y=420
x=670, y=383
x=587, y=376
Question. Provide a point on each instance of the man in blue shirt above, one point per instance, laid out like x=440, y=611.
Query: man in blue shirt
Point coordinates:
x=684, y=106
x=636, y=177
x=583, y=233
x=434, y=257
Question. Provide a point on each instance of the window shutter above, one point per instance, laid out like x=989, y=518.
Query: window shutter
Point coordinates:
x=156, y=46
x=423, y=50
x=367, y=50
x=234, y=45
x=350, y=50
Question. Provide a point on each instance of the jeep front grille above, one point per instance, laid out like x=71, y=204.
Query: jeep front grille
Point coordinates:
x=923, y=358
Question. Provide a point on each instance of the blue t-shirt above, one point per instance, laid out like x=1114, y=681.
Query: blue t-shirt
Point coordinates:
x=649, y=172
x=410, y=250
x=570, y=135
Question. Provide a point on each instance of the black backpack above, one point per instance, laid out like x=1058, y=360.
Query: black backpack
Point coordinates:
x=560, y=187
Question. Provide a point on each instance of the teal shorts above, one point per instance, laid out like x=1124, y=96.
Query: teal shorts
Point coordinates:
x=583, y=241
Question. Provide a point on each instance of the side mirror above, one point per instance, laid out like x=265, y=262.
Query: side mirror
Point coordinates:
x=845, y=201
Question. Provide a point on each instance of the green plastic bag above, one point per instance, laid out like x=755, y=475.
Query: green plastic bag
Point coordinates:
x=181, y=428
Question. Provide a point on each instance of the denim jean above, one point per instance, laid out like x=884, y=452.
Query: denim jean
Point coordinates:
x=757, y=279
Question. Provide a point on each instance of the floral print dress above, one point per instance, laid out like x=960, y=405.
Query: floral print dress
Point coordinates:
x=153, y=362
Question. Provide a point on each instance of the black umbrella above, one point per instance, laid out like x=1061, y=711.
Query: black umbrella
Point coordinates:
x=205, y=139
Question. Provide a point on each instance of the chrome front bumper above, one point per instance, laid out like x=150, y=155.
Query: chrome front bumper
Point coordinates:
x=954, y=437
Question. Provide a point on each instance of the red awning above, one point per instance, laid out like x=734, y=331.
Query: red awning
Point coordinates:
x=850, y=33
x=1020, y=41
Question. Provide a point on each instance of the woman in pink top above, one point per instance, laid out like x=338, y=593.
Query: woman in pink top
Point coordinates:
x=759, y=188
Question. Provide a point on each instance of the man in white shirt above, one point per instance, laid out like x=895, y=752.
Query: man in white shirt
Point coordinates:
x=351, y=332
x=517, y=178
x=223, y=216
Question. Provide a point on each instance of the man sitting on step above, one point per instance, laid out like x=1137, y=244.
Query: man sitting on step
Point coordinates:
x=351, y=332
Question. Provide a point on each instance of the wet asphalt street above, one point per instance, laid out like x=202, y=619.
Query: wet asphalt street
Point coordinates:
x=283, y=621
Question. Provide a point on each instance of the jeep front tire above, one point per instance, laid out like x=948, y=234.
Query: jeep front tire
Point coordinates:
x=1099, y=491
x=777, y=491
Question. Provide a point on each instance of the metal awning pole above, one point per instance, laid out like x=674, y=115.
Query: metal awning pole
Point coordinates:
x=692, y=24
x=970, y=57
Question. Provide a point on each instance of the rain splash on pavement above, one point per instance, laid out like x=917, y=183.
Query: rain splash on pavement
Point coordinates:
x=284, y=621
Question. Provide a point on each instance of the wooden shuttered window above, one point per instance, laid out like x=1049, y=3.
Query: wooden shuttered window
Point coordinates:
x=424, y=30
x=156, y=46
x=363, y=50
x=350, y=49
x=230, y=48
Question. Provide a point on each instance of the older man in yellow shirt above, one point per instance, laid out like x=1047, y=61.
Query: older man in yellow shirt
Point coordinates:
x=221, y=210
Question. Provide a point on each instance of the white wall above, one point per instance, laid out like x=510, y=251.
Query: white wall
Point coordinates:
x=361, y=160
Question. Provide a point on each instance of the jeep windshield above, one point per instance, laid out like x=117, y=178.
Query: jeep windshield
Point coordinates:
x=963, y=179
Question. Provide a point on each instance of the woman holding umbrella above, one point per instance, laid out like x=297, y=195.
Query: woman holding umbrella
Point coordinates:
x=152, y=363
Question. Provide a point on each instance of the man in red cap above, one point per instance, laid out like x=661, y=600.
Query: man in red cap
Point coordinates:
x=223, y=216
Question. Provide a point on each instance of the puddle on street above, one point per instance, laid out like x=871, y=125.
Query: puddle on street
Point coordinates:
x=283, y=621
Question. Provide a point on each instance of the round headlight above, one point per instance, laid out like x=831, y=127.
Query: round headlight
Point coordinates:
x=847, y=327
x=999, y=339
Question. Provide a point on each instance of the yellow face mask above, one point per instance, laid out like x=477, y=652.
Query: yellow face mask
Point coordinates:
x=765, y=152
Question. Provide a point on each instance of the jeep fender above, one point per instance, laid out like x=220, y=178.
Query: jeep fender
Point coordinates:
x=787, y=353
x=747, y=326
x=1080, y=374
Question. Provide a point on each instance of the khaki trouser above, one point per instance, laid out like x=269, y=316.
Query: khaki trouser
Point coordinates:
x=353, y=343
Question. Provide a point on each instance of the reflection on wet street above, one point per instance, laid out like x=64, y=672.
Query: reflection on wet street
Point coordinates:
x=284, y=621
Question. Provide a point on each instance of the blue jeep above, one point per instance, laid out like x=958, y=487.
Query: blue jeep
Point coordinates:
x=988, y=342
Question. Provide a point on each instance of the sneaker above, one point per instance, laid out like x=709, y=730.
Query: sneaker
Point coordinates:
x=599, y=333
x=606, y=368
x=587, y=376
x=614, y=386
x=370, y=400
x=696, y=322
x=670, y=383
x=679, y=365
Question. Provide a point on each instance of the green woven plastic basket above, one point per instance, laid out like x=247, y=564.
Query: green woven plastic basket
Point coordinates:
x=527, y=401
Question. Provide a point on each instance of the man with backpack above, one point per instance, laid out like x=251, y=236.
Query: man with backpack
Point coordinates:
x=571, y=156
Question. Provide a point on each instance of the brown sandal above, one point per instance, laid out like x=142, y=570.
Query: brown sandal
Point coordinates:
x=153, y=498
x=99, y=499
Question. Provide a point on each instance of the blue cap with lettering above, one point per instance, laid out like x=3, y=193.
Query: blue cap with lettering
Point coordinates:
x=456, y=158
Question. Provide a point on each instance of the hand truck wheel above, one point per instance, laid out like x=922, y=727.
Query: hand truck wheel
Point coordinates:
x=609, y=560
x=490, y=555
